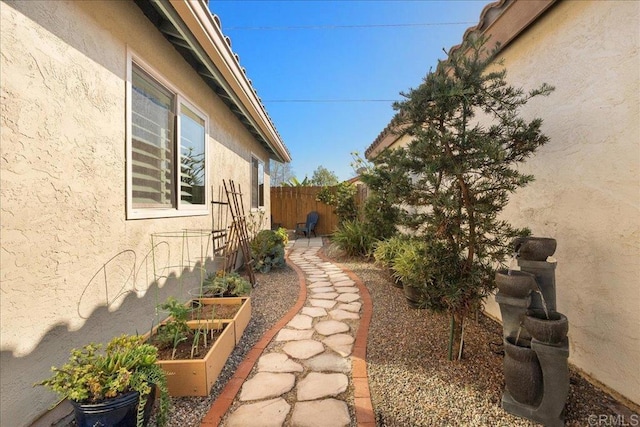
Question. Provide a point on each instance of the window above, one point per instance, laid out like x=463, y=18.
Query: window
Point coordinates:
x=166, y=172
x=257, y=183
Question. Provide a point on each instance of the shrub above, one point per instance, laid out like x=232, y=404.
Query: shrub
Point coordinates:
x=267, y=250
x=225, y=284
x=354, y=238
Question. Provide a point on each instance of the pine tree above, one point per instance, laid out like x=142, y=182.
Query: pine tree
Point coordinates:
x=458, y=171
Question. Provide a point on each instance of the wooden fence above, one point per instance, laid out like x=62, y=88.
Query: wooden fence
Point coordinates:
x=290, y=205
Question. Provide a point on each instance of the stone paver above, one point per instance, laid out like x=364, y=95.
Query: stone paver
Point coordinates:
x=322, y=303
x=323, y=290
x=317, y=385
x=343, y=315
x=264, y=385
x=303, y=349
x=300, y=321
x=320, y=413
x=278, y=362
x=329, y=295
x=347, y=297
x=330, y=327
x=268, y=413
x=328, y=362
x=294, y=334
x=340, y=343
x=314, y=311
x=352, y=306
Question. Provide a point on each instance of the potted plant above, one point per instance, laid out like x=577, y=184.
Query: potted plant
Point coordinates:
x=192, y=353
x=116, y=387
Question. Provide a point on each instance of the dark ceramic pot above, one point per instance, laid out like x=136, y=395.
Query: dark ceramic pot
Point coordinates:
x=120, y=411
x=413, y=296
x=549, y=331
x=534, y=248
x=522, y=372
x=514, y=283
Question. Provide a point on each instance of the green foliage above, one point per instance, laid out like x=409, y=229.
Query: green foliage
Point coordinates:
x=456, y=175
x=283, y=233
x=380, y=216
x=323, y=177
x=354, y=238
x=267, y=250
x=342, y=198
x=128, y=364
x=294, y=182
x=223, y=284
x=175, y=330
x=385, y=251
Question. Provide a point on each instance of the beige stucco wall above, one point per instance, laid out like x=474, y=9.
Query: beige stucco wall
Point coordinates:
x=74, y=269
x=587, y=188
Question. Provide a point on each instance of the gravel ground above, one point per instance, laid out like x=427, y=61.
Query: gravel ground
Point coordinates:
x=411, y=381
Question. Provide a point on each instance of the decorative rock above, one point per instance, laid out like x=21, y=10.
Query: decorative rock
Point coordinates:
x=342, y=315
x=347, y=297
x=317, y=385
x=321, y=413
x=340, y=343
x=300, y=321
x=328, y=362
x=330, y=327
x=303, y=349
x=294, y=335
x=264, y=385
x=268, y=413
x=278, y=362
x=314, y=311
x=322, y=303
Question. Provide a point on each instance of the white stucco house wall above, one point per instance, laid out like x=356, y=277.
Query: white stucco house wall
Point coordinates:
x=119, y=122
x=587, y=188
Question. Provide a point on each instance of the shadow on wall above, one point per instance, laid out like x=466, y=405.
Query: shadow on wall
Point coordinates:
x=21, y=402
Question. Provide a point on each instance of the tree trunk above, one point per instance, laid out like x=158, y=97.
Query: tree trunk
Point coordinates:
x=456, y=336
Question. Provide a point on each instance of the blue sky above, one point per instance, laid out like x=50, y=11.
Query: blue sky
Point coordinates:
x=360, y=52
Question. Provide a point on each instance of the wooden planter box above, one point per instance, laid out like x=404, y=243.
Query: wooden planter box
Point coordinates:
x=195, y=377
x=240, y=320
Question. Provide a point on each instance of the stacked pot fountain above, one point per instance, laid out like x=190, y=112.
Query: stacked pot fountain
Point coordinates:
x=535, y=335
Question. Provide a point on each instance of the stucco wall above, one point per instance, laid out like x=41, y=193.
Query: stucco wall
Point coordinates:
x=74, y=269
x=587, y=189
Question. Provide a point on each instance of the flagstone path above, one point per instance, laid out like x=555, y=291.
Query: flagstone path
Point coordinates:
x=309, y=370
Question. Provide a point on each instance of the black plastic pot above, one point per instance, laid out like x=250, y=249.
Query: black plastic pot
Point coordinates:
x=522, y=372
x=120, y=411
x=413, y=296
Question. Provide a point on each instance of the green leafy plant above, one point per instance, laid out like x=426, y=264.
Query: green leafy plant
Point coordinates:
x=267, y=250
x=225, y=285
x=342, y=198
x=283, y=233
x=386, y=251
x=128, y=364
x=354, y=238
x=175, y=330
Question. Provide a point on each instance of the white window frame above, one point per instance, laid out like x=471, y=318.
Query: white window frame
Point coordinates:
x=261, y=166
x=179, y=209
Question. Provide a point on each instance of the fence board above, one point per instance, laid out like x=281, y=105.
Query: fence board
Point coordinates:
x=290, y=205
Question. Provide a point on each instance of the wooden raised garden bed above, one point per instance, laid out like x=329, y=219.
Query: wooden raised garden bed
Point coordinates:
x=236, y=310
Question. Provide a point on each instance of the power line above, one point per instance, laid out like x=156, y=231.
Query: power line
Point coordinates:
x=326, y=100
x=335, y=27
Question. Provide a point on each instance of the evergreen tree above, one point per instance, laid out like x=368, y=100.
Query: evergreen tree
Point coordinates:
x=323, y=177
x=457, y=173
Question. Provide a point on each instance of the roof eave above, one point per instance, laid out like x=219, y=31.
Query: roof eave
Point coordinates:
x=190, y=27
